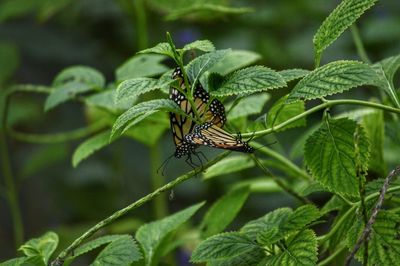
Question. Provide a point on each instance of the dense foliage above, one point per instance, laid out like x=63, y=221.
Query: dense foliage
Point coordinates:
x=342, y=129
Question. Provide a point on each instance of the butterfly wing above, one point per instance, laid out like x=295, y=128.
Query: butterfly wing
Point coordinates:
x=183, y=125
x=212, y=135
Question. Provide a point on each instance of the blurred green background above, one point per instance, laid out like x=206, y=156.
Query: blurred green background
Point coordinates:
x=39, y=38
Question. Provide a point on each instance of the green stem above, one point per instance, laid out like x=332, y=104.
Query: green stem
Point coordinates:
x=323, y=105
x=58, y=137
x=322, y=239
x=141, y=24
x=159, y=203
x=9, y=180
x=279, y=182
x=332, y=256
x=178, y=58
x=288, y=164
x=355, y=33
x=65, y=253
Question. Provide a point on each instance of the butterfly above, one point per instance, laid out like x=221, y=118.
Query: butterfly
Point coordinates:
x=209, y=134
x=213, y=112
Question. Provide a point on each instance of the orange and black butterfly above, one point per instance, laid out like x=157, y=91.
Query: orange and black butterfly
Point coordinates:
x=181, y=126
x=209, y=134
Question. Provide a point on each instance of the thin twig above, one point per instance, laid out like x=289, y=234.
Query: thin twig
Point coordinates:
x=367, y=230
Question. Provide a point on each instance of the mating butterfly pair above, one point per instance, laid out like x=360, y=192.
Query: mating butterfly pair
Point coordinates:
x=188, y=135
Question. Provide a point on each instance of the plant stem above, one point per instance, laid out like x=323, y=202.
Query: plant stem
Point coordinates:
x=279, y=182
x=58, y=137
x=323, y=105
x=141, y=24
x=159, y=203
x=273, y=154
x=65, y=253
x=355, y=33
x=332, y=256
x=9, y=180
x=322, y=239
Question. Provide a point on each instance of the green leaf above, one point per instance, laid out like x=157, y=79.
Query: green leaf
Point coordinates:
x=95, y=243
x=373, y=124
x=301, y=217
x=250, y=105
x=330, y=155
x=42, y=246
x=80, y=74
x=105, y=100
x=275, y=229
x=229, y=165
x=15, y=8
x=383, y=242
x=65, y=92
x=150, y=130
x=309, y=188
x=250, y=80
x=140, y=111
x=122, y=251
x=334, y=204
x=223, y=211
x=206, y=7
x=223, y=246
x=201, y=64
x=202, y=45
x=272, y=219
x=301, y=249
x=281, y=112
x=293, y=74
x=162, y=48
x=345, y=14
x=8, y=53
x=152, y=234
x=142, y=65
x=132, y=88
x=14, y=262
x=234, y=60
x=89, y=146
x=387, y=69
x=333, y=78
x=250, y=258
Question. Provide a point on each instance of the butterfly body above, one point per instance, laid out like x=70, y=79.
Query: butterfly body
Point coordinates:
x=208, y=134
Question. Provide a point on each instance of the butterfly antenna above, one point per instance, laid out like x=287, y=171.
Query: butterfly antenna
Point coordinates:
x=164, y=165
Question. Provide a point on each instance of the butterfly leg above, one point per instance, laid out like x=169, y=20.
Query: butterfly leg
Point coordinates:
x=190, y=162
